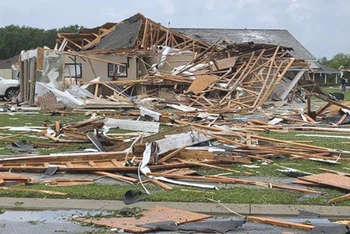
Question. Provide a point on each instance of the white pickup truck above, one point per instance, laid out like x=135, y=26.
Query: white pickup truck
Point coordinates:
x=8, y=88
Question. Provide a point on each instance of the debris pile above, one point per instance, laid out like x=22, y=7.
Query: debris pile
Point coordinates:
x=185, y=104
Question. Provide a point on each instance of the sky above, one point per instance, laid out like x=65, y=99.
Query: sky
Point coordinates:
x=322, y=26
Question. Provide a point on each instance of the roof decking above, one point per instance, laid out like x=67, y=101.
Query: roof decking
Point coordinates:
x=258, y=36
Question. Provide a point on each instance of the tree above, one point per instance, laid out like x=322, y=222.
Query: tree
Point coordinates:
x=14, y=39
x=338, y=60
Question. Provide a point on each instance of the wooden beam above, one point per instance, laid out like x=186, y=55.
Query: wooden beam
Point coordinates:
x=280, y=223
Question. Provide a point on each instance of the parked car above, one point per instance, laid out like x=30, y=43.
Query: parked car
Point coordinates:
x=8, y=88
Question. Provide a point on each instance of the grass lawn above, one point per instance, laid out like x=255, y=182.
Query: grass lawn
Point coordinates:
x=183, y=194
x=254, y=195
x=335, y=89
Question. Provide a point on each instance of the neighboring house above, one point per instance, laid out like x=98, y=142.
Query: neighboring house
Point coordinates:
x=8, y=68
x=320, y=73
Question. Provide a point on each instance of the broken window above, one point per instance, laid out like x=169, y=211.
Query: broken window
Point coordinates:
x=73, y=70
x=115, y=70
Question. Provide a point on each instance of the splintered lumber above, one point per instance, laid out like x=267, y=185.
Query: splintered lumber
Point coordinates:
x=85, y=122
x=154, y=215
x=289, y=143
x=306, y=183
x=117, y=177
x=79, y=166
x=339, y=199
x=280, y=223
x=329, y=179
x=196, y=154
x=65, y=157
x=334, y=172
x=161, y=184
x=170, y=155
x=227, y=180
x=69, y=182
x=33, y=191
x=199, y=164
x=8, y=176
x=180, y=171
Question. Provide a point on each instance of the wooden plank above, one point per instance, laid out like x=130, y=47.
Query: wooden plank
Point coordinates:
x=8, y=176
x=170, y=155
x=57, y=126
x=199, y=164
x=334, y=172
x=40, y=59
x=342, y=119
x=196, y=154
x=66, y=182
x=32, y=191
x=117, y=177
x=306, y=183
x=339, y=199
x=329, y=179
x=161, y=184
x=280, y=223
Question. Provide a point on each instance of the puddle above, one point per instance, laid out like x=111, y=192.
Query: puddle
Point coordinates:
x=49, y=216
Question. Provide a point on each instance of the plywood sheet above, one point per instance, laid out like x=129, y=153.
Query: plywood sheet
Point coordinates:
x=154, y=215
x=224, y=63
x=329, y=179
x=201, y=83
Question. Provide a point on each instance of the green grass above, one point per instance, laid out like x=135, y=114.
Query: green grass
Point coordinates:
x=242, y=194
x=41, y=119
x=230, y=195
x=335, y=89
x=332, y=143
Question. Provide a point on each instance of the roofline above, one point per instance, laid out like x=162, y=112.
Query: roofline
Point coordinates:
x=256, y=29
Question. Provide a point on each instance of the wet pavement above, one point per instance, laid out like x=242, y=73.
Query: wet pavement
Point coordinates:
x=60, y=221
x=41, y=222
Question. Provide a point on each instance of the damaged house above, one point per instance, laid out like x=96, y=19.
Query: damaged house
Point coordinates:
x=224, y=70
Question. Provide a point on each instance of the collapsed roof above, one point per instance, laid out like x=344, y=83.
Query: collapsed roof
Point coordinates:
x=141, y=33
x=258, y=36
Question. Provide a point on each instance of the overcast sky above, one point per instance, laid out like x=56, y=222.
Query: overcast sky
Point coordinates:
x=322, y=26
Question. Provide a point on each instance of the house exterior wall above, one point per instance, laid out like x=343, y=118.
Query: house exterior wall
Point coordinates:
x=175, y=61
x=135, y=68
x=101, y=68
x=6, y=73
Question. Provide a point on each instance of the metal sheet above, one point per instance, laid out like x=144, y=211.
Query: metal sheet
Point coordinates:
x=177, y=141
x=142, y=126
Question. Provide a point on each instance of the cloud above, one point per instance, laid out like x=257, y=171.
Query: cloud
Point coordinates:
x=300, y=11
x=167, y=6
x=210, y=4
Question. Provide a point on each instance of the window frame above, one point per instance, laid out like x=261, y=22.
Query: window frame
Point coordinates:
x=114, y=65
x=74, y=64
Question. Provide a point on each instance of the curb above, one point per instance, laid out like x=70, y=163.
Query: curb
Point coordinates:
x=209, y=208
